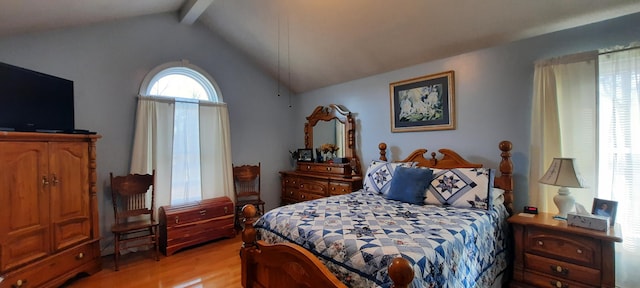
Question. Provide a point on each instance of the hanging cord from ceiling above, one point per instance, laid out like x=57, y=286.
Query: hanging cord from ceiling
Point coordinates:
x=289, y=59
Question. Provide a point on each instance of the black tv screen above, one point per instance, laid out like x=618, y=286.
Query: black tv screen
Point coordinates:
x=34, y=101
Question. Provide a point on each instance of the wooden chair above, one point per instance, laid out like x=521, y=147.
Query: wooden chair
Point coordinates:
x=246, y=185
x=133, y=199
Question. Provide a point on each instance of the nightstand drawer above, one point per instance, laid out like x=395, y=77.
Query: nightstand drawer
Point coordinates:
x=561, y=246
x=541, y=280
x=561, y=269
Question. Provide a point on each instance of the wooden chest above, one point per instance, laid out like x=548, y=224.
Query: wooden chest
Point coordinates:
x=194, y=223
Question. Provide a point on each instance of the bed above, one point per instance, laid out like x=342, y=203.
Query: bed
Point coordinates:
x=372, y=238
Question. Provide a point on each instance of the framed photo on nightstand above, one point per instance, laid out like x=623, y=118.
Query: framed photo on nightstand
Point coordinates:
x=607, y=208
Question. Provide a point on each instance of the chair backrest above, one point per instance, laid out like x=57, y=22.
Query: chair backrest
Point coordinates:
x=133, y=195
x=246, y=181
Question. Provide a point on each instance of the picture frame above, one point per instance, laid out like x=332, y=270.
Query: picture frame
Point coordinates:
x=305, y=155
x=424, y=103
x=606, y=208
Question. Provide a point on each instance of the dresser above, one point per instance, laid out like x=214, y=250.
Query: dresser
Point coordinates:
x=317, y=180
x=48, y=208
x=549, y=253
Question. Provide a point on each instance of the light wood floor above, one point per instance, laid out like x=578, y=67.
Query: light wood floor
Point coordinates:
x=215, y=264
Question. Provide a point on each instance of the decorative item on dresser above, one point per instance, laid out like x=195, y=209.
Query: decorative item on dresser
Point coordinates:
x=371, y=239
x=194, y=223
x=549, y=253
x=49, y=228
x=332, y=126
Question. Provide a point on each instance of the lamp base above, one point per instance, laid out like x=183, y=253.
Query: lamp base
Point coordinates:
x=565, y=202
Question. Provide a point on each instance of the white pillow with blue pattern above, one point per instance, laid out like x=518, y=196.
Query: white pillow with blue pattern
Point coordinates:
x=461, y=187
x=379, y=175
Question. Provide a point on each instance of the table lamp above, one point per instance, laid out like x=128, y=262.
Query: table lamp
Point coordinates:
x=562, y=172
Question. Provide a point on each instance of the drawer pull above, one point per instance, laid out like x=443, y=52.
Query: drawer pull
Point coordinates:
x=80, y=256
x=45, y=182
x=333, y=188
x=226, y=209
x=302, y=186
x=291, y=193
x=308, y=167
x=328, y=168
x=579, y=251
x=558, y=284
x=559, y=270
x=540, y=243
x=177, y=220
x=302, y=196
x=203, y=212
x=19, y=283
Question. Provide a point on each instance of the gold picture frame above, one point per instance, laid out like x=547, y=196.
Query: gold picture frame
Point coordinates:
x=424, y=103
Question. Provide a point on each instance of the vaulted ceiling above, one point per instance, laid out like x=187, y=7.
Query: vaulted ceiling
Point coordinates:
x=309, y=44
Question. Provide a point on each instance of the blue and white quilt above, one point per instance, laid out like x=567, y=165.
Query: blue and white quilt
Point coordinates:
x=357, y=235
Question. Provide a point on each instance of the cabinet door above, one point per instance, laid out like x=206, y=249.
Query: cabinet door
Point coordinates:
x=24, y=203
x=70, y=217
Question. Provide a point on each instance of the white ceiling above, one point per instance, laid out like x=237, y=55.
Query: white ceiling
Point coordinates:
x=309, y=44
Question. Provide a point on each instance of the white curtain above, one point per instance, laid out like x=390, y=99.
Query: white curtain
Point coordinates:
x=619, y=151
x=563, y=124
x=215, y=154
x=153, y=144
x=179, y=180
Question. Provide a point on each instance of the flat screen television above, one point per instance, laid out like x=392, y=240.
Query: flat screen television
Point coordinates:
x=34, y=101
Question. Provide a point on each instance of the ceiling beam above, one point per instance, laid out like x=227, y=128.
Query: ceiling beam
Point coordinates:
x=192, y=9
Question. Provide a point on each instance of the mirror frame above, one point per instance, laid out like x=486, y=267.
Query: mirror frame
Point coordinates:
x=340, y=113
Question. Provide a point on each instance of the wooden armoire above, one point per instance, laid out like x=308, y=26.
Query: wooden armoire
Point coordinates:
x=48, y=208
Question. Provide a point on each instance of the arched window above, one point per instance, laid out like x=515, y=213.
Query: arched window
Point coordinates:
x=180, y=111
x=180, y=80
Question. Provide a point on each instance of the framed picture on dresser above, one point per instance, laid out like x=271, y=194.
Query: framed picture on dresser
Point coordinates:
x=305, y=155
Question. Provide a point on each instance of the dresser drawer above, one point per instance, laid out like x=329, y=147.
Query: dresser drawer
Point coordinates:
x=339, y=188
x=337, y=169
x=42, y=272
x=542, y=280
x=290, y=182
x=314, y=187
x=561, y=269
x=570, y=248
x=302, y=196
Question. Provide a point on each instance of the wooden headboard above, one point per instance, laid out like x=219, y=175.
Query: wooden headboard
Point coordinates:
x=450, y=159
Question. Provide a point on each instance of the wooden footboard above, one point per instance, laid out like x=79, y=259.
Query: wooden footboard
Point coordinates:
x=289, y=265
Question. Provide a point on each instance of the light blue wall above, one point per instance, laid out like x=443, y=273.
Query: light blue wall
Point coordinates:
x=493, y=98
x=108, y=62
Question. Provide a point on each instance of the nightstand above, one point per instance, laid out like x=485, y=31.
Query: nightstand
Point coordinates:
x=549, y=253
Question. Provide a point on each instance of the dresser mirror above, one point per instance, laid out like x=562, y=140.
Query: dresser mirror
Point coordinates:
x=333, y=124
x=331, y=132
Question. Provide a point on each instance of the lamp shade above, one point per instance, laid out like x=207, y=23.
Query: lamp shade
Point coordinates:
x=562, y=172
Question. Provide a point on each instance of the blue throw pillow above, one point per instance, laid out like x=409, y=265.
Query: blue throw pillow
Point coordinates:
x=409, y=185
